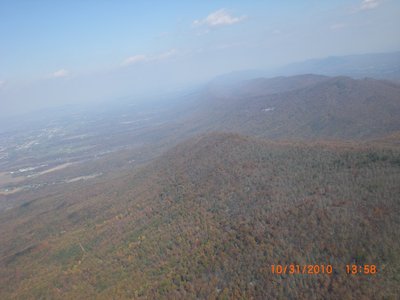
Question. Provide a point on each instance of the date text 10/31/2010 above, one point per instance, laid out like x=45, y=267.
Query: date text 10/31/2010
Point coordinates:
x=309, y=269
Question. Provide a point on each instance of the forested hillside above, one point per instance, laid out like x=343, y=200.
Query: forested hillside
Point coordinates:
x=303, y=107
x=208, y=219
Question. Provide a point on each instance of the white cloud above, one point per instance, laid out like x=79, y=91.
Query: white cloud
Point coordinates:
x=219, y=18
x=134, y=59
x=2, y=83
x=369, y=4
x=165, y=55
x=337, y=26
x=60, y=73
x=141, y=58
x=229, y=45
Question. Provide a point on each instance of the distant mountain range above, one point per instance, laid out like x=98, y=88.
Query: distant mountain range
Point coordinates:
x=380, y=66
x=374, y=65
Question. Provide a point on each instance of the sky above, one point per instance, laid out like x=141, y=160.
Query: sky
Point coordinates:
x=56, y=52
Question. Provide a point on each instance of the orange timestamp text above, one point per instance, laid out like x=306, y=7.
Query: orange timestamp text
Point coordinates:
x=309, y=269
x=316, y=269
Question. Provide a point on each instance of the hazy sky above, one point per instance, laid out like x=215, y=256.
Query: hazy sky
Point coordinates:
x=53, y=52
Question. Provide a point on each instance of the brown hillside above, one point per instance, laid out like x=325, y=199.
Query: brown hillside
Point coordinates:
x=332, y=108
x=208, y=219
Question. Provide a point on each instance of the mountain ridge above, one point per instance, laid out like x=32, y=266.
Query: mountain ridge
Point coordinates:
x=320, y=107
x=208, y=218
